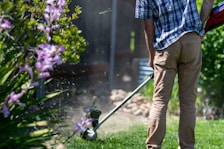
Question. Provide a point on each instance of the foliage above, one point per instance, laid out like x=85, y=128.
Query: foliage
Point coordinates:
x=69, y=36
x=147, y=90
x=135, y=137
x=212, y=75
x=25, y=18
x=33, y=38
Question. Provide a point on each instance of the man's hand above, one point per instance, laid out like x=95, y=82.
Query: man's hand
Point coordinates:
x=151, y=60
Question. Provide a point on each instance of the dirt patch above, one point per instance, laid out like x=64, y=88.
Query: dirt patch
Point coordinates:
x=71, y=109
x=121, y=121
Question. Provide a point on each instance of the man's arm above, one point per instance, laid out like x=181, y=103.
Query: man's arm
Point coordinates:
x=149, y=37
x=206, y=9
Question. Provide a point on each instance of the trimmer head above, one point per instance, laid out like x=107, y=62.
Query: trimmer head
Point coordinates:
x=89, y=134
x=93, y=114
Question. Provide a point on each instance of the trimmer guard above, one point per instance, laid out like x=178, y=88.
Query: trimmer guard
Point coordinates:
x=216, y=17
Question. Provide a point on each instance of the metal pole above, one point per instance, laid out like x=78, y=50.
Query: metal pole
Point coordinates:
x=113, y=42
x=125, y=100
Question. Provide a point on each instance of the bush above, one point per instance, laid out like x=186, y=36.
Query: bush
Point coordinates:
x=34, y=38
x=212, y=75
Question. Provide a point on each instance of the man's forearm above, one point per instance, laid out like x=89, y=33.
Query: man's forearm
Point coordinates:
x=149, y=35
x=206, y=9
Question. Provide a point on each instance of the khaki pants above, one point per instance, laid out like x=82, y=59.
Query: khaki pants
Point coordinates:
x=182, y=58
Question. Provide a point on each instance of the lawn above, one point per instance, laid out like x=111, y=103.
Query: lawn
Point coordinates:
x=209, y=135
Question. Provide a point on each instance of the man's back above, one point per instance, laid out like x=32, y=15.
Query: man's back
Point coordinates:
x=172, y=19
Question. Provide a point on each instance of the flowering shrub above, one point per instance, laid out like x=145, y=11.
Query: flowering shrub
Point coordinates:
x=33, y=39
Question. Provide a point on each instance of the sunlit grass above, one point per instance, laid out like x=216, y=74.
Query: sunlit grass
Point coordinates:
x=209, y=135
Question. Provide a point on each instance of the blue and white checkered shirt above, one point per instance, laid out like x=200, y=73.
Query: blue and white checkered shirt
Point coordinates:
x=172, y=19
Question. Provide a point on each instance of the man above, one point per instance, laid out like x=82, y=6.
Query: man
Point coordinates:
x=173, y=30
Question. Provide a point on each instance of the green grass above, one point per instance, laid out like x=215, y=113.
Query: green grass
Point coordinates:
x=209, y=135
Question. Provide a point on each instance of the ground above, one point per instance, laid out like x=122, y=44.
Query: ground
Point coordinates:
x=72, y=111
x=121, y=121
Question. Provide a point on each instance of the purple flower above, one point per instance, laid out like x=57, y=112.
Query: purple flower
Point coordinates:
x=40, y=55
x=48, y=49
x=38, y=66
x=61, y=3
x=33, y=84
x=41, y=27
x=84, y=123
x=4, y=24
x=44, y=66
x=26, y=68
x=14, y=98
x=56, y=14
x=47, y=64
x=44, y=75
x=47, y=56
x=52, y=13
x=79, y=127
x=5, y=110
x=56, y=26
x=51, y=2
x=61, y=49
x=57, y=60
x=43, y=70
x=46, y=30
x=47, y=18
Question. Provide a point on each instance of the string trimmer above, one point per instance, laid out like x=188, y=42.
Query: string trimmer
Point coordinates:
x=94, y=114
x=216, y=17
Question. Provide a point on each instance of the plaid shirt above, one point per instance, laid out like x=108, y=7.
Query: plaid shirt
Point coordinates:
x=172, y=19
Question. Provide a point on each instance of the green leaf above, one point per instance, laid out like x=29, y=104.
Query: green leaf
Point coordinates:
x=51, y=95
x=6, y=76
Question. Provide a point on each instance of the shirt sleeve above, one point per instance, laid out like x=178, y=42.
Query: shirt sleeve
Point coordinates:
x=143, y=9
